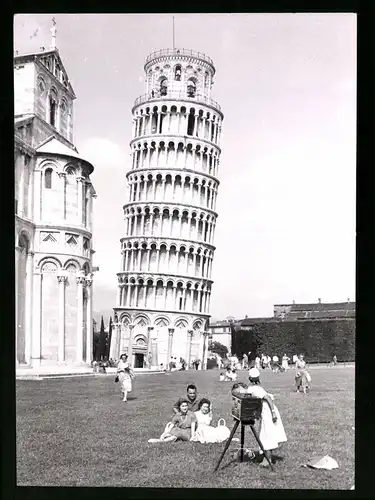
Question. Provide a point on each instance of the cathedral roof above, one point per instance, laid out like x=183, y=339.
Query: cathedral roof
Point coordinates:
x=41, y=56
x=55, y=147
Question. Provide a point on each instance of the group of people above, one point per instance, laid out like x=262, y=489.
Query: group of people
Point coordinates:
x=191, y=421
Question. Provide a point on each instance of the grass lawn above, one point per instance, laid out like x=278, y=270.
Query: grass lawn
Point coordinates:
x=78, y=432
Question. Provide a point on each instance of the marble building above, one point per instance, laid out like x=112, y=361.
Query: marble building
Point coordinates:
x=53, y=218
x=164, y=284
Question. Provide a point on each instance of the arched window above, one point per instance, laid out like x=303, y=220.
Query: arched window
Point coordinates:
x=177, y=73
x=52, y=109
x=191, y=88
x=48, y=178
x=163, y=86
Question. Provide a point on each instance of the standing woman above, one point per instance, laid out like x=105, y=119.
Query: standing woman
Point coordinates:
x=271, y=427
x=303, y=378
x=284, y=362
x=125, y=375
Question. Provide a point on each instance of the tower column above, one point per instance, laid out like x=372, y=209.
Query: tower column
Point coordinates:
x=127, y=300
x=130, y=345
x=170, y=345
x=62, y=176
x=190, y=343
x=79, y=339
x=80, y=181
x=89, y=339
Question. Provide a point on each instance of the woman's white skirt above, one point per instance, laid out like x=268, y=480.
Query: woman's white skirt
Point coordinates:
x=271, y=433
x=125, y=381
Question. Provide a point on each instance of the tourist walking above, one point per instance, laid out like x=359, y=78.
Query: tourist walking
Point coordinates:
x=245, y=362
x=257, y=363
x=284, y=362
x=302, y=378
x=272, y=431
x=125, y=375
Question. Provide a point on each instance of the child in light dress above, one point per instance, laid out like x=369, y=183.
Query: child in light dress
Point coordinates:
x=272, y=431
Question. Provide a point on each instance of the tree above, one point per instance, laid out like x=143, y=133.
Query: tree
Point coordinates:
x=219, y=349
x=109, y=337
x=102, y=341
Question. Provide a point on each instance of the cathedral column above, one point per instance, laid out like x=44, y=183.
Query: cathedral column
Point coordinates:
x=190, y=343
x=130, y=345
x=170, y=345
x=79, y=340
x=21, y=186
x=62, y=176
x=28, y=306
x=89, y=340
x=37, y=196
x=80, y=182
x=61, y=339
x=37, y=320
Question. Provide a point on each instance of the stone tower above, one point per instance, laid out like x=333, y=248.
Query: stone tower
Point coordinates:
x=164, y=285
x=53, y=218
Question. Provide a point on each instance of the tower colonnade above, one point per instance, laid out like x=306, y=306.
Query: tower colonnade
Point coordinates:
x=170, y=218
x=185, y=188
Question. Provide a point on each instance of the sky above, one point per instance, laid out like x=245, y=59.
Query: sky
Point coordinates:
x=286, y=84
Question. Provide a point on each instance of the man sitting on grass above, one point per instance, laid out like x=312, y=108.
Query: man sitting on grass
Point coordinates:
x=191, y=397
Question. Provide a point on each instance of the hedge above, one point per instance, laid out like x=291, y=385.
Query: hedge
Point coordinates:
x=318, y=340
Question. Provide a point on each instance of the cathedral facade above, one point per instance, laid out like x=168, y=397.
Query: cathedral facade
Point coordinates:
x=53, y=218
x=164, y=285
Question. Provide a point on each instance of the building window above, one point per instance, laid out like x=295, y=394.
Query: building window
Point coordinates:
x=41, y=86
x=177, y=73
x=52, y=111
x=191, y=88
x=48, y=178
x=164, y=87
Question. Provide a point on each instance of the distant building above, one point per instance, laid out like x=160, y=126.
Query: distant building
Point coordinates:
x=220, y=331
x=317, y=310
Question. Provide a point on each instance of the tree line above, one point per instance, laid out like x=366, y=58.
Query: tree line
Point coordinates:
x=318, y=340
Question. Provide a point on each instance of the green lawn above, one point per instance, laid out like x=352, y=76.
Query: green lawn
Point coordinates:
x=78, y=432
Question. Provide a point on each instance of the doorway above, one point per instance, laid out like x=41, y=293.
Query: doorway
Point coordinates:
x=138, y=360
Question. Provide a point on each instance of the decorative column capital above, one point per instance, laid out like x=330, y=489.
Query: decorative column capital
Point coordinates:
x=170, y=331
x=150, y=328
x=88, y=282
x=191, y=332
x=62, y=278
x=80, y=280
x=61, y=174
x=80, y=179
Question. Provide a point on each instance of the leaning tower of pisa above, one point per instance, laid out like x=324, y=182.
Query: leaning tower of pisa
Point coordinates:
x=164, y=285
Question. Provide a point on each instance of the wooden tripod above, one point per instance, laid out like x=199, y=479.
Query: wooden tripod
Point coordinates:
x=251, y=423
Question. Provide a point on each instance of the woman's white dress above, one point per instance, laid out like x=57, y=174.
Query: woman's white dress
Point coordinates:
x=284, y=363
x=124, y=376
x=271, y=433
x=206, y=433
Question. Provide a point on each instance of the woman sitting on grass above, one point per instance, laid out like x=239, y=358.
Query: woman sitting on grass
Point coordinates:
x=271, y=427
x=181, y=427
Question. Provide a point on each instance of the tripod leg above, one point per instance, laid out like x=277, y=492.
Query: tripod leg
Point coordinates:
x=242, y=441
x=229, y=440
x=261, y=445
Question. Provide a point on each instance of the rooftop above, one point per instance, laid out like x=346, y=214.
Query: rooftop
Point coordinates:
x=179, y=53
